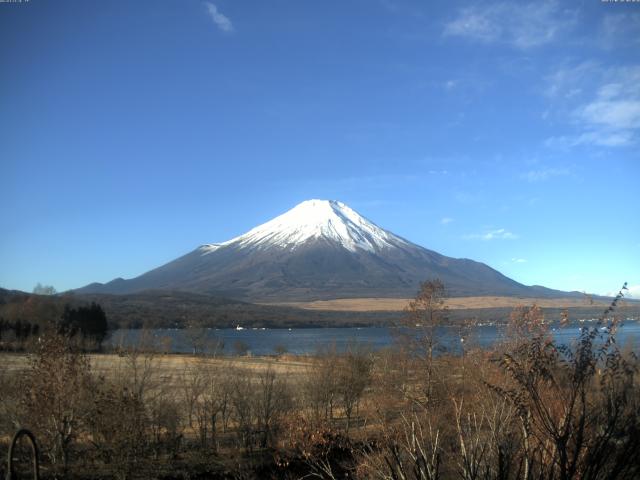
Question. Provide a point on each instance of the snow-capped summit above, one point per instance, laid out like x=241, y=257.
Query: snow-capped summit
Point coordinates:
x=320, y=249
x=318, y=219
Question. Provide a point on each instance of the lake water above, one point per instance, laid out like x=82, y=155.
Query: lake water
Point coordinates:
x=310, y=340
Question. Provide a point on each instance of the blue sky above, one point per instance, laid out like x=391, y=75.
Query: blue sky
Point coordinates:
x=505, y=132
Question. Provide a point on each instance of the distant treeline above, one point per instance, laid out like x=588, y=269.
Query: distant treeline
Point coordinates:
x=183, y=310
x=18, y=329
x=24, y=317
x=163, y=309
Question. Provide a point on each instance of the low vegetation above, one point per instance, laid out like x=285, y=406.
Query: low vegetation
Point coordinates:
x=454, y=303
x=528, y=409
x=167, y=309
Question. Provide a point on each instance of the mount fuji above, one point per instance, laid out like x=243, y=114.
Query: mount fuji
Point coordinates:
x=319, y=250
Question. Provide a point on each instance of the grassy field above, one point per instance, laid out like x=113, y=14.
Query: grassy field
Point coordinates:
x=461, y=303
x=172, y=365
x=142, y=414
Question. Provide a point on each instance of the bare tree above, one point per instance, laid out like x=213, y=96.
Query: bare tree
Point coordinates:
x=578, y=405
x=243, y=404
x=354, y=376
x=40, y=289
x=118, y=428
x=196, y=335
x=410, y=451
x=56, y=392
x=207, y=394
x=192, y=387
x=320, y=385
x=418, y=333
x=273, y=401
x=137, y=370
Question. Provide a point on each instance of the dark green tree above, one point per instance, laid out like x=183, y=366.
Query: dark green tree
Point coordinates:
x=90, y=322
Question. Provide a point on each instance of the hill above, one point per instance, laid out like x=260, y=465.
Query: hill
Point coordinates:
x=320, y=250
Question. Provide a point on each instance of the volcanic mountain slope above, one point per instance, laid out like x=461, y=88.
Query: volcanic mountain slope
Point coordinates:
x=318, y=250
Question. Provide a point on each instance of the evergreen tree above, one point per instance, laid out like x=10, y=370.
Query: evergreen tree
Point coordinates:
x=90, y=322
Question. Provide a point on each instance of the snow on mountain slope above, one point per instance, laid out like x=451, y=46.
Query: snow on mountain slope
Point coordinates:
x=318, y=250
x=314, y=219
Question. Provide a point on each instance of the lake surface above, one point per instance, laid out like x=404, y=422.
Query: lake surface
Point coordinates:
x=310, y=340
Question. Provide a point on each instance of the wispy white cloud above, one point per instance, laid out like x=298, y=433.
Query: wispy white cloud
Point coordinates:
x=568, y=81
x=221, y=21
x=499, y=234
x=607, y=114
x=474, y=23
x=519, y=260
x=620, y=30
x=597, y=138
x=450, y=84
x=446, y=221
x=543, y=174
x=522, y=25
x=615, y=113
x=632, y=291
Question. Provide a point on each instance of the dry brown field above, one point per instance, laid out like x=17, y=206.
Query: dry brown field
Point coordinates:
x=460, y=303
x=173, y=365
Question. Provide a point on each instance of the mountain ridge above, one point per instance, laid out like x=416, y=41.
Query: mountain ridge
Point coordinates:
x=320, y=249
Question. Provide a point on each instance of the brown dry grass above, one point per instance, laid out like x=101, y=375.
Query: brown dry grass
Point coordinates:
x=174, y=364
x=398, y=304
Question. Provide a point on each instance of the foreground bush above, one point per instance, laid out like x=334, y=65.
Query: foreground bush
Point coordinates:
x=530, y=409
